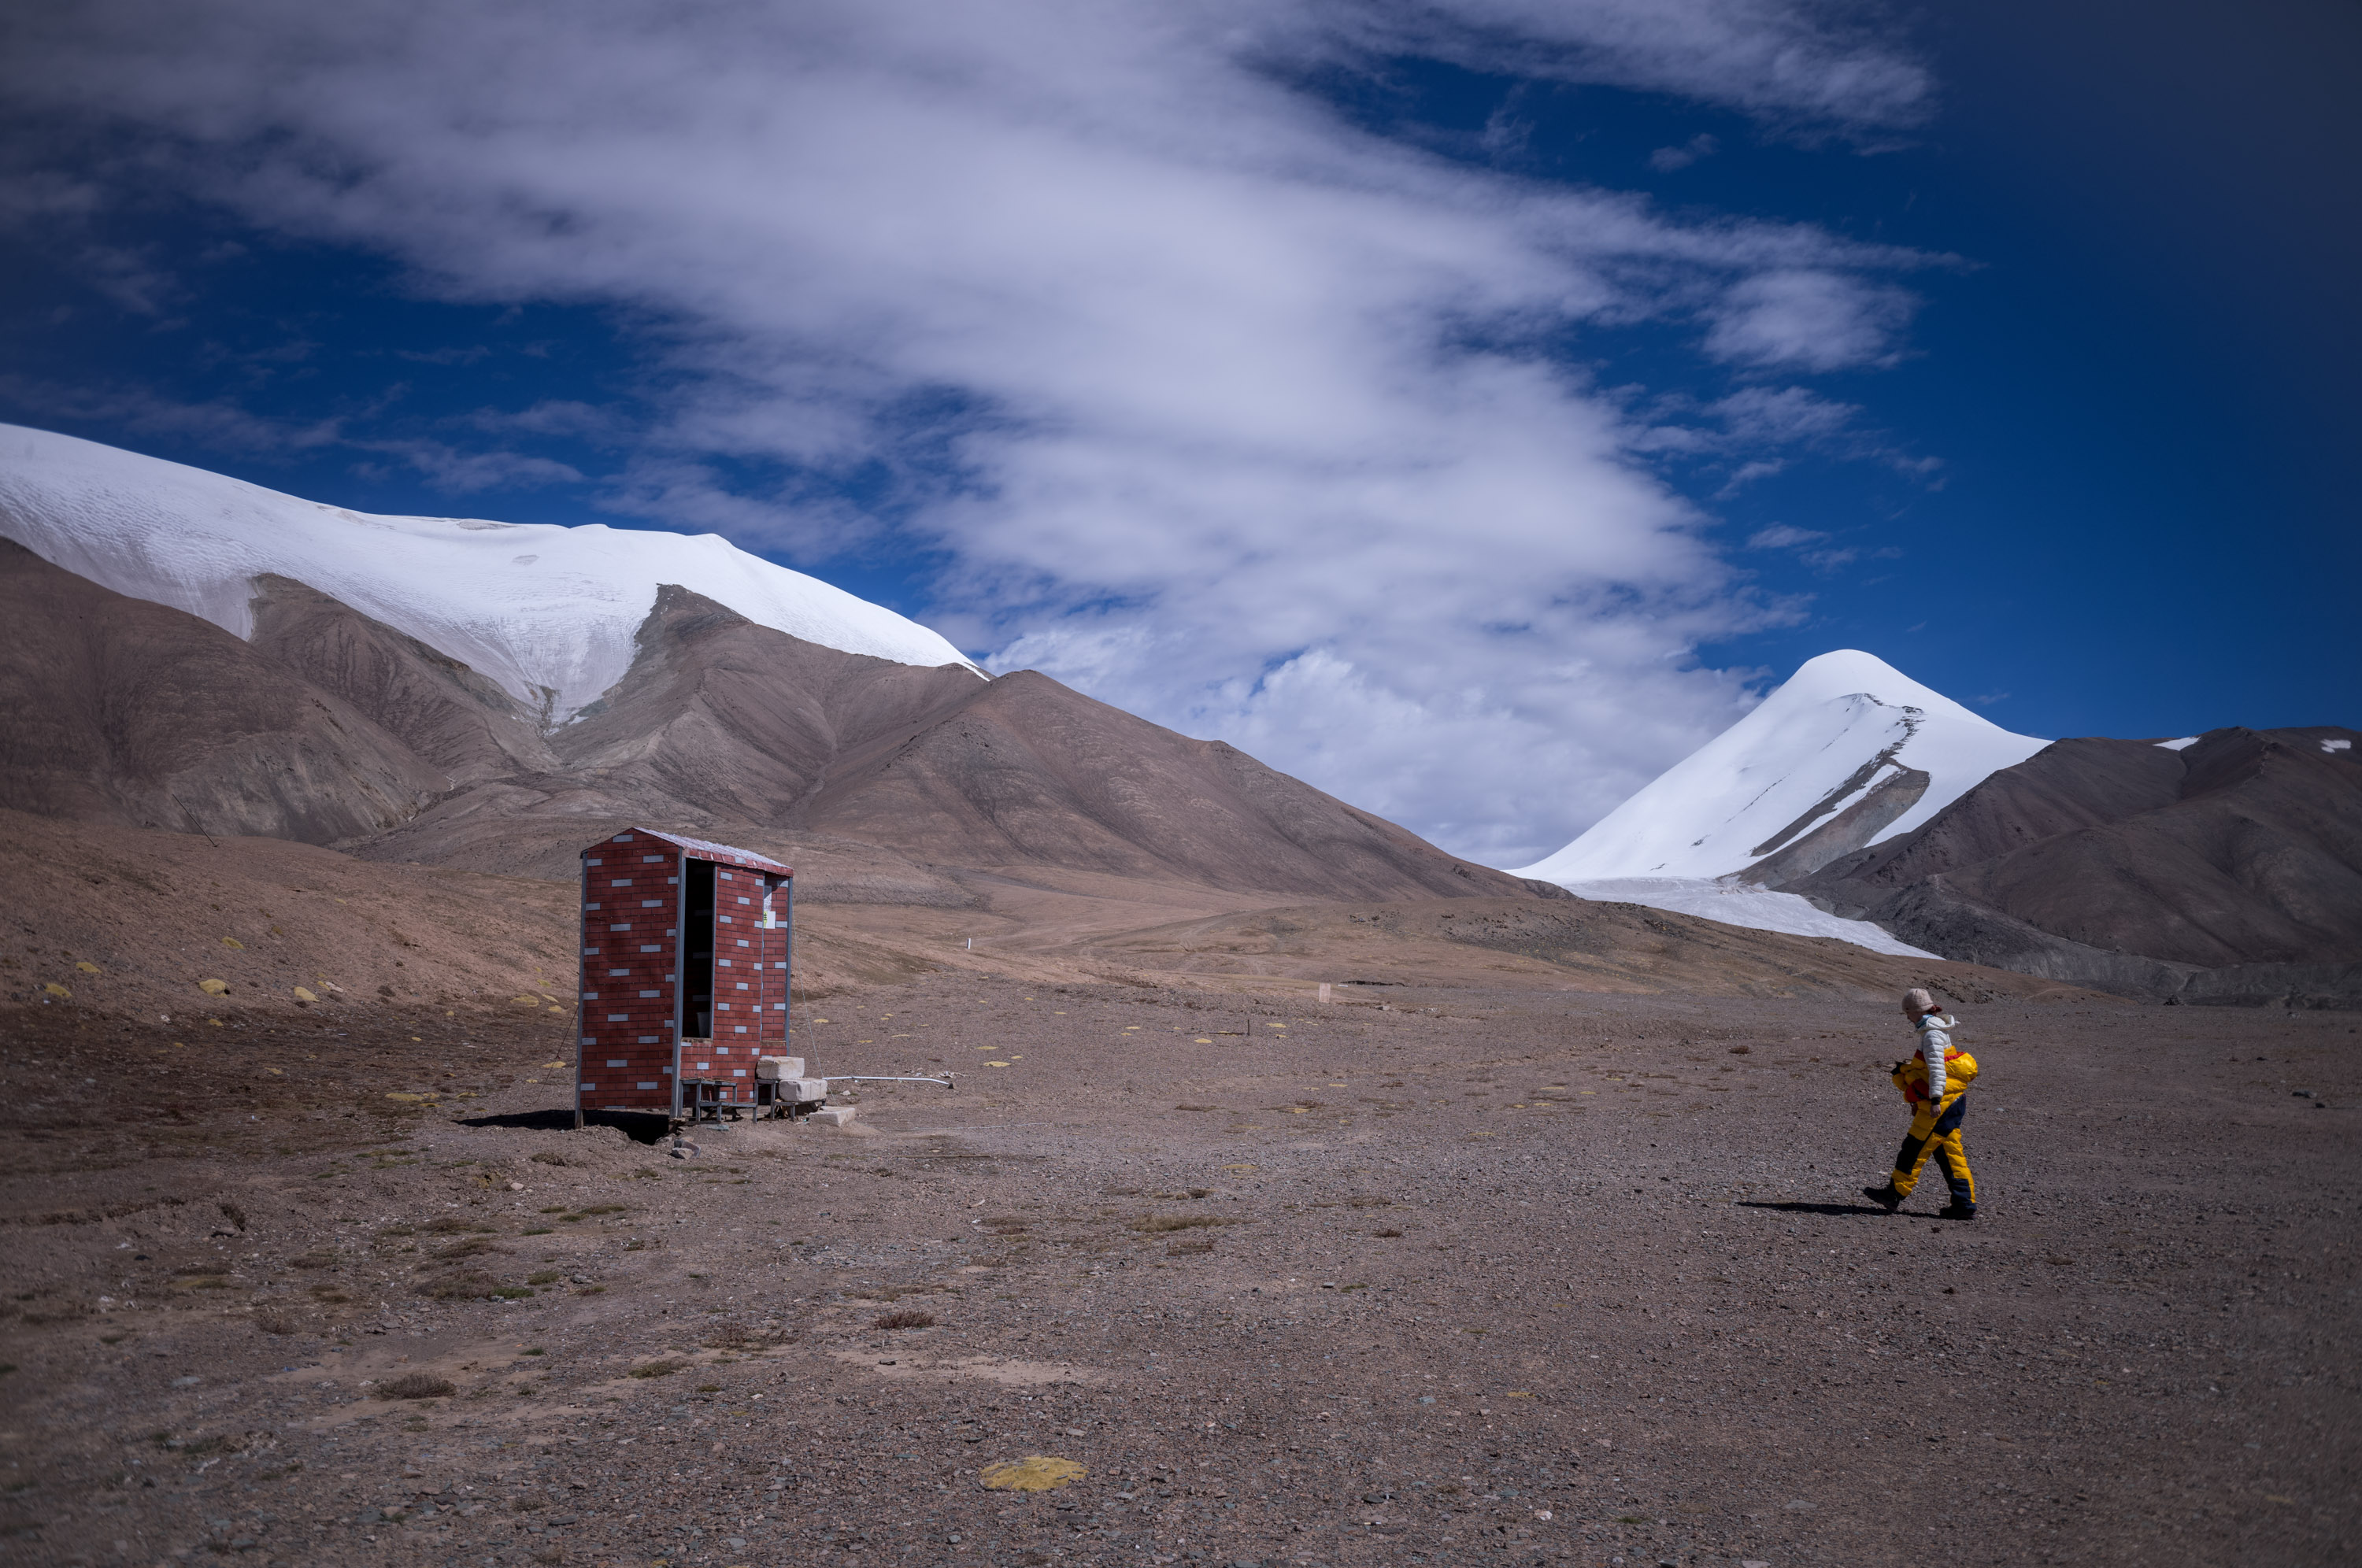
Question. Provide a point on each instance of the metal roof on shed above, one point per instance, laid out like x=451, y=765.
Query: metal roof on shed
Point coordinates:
x=706, y=849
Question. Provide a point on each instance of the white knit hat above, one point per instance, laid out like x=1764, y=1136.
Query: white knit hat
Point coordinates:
x=1917, y=1000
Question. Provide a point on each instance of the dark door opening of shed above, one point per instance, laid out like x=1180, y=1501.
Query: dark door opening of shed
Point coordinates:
x=696, y=949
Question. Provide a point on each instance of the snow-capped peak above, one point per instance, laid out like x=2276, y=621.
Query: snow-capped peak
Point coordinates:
x=1848, y=751
x=550, y=611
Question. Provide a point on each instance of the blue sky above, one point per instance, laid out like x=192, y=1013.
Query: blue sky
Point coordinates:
x=1464, y=408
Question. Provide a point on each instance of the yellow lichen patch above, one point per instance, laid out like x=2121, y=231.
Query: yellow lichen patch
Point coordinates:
x=233, y=941
x=551, y=1067
x=1203, y=1040
x=87, y=967
x=996, y=1063
x=411, y=1099
x=214, y=988
x=526, y=1002
x=1034, y=1473
x=304, y=993
x=59, y=991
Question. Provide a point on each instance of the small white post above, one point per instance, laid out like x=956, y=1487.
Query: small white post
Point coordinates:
x=1324, y=990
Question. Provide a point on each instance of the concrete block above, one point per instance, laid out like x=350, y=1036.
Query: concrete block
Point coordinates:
x=772, y=1070
x=832, y=1115
x=803, y=1088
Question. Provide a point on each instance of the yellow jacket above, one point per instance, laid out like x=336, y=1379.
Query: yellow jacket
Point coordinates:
x=1959, y=1071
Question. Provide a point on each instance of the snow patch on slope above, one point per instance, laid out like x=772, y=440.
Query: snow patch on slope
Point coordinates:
x=548, y=612
x=1844, y=723
x=1743, y=904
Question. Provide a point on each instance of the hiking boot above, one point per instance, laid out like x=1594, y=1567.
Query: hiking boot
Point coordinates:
x=1885, y=1196
x=1957, y=1211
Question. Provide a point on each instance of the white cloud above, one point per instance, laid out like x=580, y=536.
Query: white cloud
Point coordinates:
x=1780, y=537
x=1667, y=159
x=1181, y=371
x=1808, y=319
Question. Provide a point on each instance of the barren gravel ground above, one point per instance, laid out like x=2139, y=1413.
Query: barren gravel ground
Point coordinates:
x=1481, y=1277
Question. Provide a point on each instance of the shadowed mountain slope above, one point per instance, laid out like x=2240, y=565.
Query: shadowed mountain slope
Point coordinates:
x=2136, y=867
x=451, y=716
x=121, y=710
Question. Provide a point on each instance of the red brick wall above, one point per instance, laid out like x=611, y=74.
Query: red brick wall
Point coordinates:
x=630, y=905
x=749, y=980
x=630, y=995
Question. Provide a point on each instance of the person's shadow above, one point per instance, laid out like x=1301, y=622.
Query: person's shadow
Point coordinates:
x=1815, y=1207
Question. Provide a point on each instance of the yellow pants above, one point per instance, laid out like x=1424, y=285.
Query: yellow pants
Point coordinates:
x=1938, y=1135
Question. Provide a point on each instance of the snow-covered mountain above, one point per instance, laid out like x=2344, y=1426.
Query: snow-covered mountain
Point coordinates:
x=1848, y=752
x=548, y=612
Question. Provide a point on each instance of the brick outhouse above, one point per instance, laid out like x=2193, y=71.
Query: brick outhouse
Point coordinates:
x=685, y=955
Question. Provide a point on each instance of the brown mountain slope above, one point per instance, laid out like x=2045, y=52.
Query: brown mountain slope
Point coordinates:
x=119, y=709
x=2121, y=863
x=740, y=722
x=1028, y=772
x=333, y=728
x=723, y=726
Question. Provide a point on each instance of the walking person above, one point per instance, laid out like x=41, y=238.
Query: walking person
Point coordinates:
x=1935, y=1079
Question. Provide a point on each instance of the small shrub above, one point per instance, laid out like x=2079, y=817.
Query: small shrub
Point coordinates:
x=474, y=1246
x=543, y=1276
x=709, y=1389
x=658, y=1368
x=1182, y=1246
x=415, y=1386
x=731, y=1336
x=903, y=1318
x=545, y=1157
x=274, y=1320
x=1389, y=1230
x=466, y=1284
